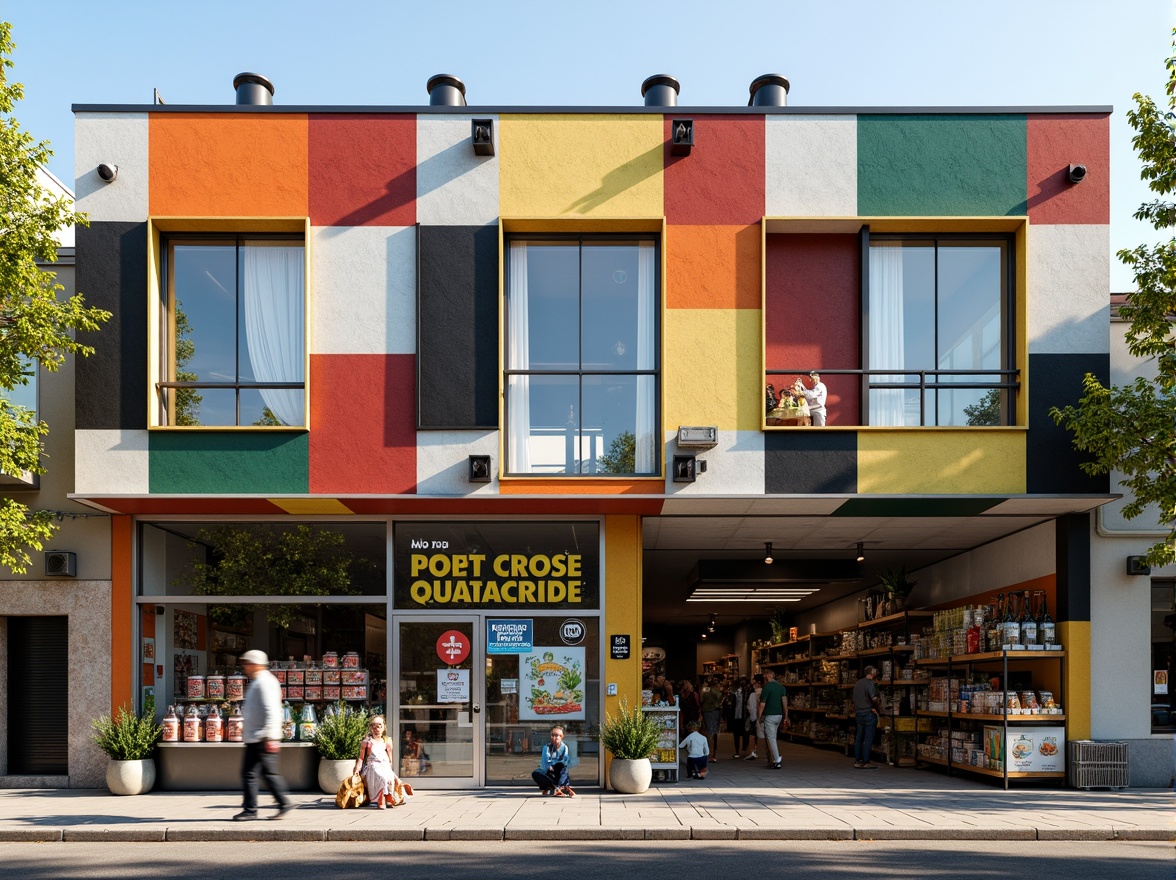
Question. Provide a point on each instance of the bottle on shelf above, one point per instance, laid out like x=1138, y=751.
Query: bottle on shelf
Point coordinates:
x=1011, y=628
x=1028, y=622
x=235, y=726
x=993, y=627
x=193, y=726
x=308, y=725
x=214, y=726
x=1046, y=631
x=975, y=632
x=171, y=726
x=289, y=728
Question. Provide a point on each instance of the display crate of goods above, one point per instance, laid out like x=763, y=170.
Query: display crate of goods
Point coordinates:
x=905, y=723
x=1098, y=764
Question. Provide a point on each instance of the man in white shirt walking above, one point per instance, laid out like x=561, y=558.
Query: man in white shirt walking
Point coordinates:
x=263, y=736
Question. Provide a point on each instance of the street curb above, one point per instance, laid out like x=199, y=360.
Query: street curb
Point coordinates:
x=376, y=834
x=941, y=833
x=564, y=833
x=246, y=834
x=1145, y=834
x=1075, y=833
x=30, y=835
x=116, y=835
x=760, y=832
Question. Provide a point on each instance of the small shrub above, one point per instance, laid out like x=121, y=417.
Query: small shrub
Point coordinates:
x=340, y=734
x=126, y=737
x=630, y=734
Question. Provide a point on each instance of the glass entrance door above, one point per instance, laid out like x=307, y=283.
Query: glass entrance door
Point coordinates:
x=440, y=687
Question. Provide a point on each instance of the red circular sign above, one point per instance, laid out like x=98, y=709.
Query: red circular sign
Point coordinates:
x=453, y=647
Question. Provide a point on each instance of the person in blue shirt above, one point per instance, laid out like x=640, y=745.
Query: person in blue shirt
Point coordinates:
x=552, y=775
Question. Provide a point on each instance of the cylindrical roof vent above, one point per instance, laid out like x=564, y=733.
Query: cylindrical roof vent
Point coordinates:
x=446, y=90
x=661, y=90
x=253, y=88
x=769, y=90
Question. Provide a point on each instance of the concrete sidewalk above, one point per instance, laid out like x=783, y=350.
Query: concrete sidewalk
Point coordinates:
x=817, y=796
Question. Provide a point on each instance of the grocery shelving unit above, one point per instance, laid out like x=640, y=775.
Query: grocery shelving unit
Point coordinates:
x=955, y=720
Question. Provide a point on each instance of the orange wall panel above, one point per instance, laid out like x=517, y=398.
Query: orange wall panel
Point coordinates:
x=122, y=656
x=713, y=267
x=228, y=164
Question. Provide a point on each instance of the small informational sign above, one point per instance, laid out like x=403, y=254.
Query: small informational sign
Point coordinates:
x=453, y=647
x=1160, y=681
x=572, y=631
x=453, y=685
x=619, y=647
x=510, y=636
x=508, y=686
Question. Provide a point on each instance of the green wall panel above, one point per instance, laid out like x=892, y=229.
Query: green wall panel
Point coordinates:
x=942, y=165
x=230, y=463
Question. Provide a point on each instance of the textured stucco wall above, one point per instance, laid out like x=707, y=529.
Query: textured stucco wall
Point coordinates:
x=87, y=605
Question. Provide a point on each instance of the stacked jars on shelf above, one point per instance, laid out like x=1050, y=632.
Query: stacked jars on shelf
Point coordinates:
x=1014, y=624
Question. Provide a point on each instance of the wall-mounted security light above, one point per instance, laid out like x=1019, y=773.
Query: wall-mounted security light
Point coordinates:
x=107, y=172
x=1077, y=173
x=1137, y=565
x=479, y=469
x=483, y=137
x=685, y=468
x=681, y=137
x=698, y=437
x=61, y=563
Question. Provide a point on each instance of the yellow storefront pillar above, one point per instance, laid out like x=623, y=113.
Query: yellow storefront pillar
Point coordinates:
x=622, y=615
x=1075, y=636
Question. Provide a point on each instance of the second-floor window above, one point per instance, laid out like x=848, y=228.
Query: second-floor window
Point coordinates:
x=234, y=350
x=581, y=356
x=938, y=309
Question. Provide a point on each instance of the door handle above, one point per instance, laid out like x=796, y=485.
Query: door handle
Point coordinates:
x=477, y=707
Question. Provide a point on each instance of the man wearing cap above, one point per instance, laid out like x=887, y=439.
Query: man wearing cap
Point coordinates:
x=263, y=736
x=865, y=707
x=814, y=397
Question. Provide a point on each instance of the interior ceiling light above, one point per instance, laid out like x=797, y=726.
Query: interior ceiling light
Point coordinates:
x=768, y=552
x=861, y=554
x=751, y=594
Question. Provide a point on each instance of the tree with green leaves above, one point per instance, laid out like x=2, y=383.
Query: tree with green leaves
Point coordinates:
x=37, y=325
x=621, y=457
x=1133, y=428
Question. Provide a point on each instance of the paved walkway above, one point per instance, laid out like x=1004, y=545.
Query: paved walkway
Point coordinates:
x=817, y=795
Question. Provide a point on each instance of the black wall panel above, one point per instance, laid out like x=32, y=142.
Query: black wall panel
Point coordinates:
x=1056, y=380
x=457, y=333
x=802, y=462
x=111, y=384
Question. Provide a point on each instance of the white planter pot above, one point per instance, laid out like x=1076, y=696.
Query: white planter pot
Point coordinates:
x=630, y=777
x=332, y=773
x=130, y=777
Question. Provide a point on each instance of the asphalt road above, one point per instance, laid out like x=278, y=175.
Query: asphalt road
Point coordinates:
x=673, y=860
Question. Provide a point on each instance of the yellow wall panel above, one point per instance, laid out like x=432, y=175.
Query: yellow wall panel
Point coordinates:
x=580, y=165
x=622, y=609
x=941, y=461
x=713, y=368
x=1075, y=636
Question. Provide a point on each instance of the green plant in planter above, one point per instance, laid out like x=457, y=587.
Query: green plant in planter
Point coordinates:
x=895, y=589
x=779, y=624
x=127, y=737
x=630, y=734
x=340, y=734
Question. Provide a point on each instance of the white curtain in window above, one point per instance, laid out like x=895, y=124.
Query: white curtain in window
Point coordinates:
x=518, y=357
x=646, y=423
x=274, y=323
x=886, y=330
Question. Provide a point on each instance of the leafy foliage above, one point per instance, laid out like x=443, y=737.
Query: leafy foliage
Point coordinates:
x=621, y=457
x=986, y=411
x=630, y=734
x=1131, y=428
x=127, y=737
x=187, y=400
x=339, y=735
x=894, y=581
x=37, y=327
x=263, y=560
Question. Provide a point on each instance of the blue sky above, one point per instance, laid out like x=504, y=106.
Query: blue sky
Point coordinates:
x=846, y=53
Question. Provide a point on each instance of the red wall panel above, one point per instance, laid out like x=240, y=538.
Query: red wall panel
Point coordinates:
x=363, y=424
x=1054, y=142
x=362, y=170
x=812, y=315
x=721, y=182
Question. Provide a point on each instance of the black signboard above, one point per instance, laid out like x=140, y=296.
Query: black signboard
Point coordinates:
x=618, y=647
x=509, y=566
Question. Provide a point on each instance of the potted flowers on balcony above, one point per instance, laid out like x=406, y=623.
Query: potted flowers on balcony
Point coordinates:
x=631, y=736
x=130, y=743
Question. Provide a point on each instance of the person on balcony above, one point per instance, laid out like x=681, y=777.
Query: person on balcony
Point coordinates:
x=815, y=397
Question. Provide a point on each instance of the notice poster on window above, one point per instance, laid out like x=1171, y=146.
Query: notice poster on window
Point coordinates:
x=1160, y=681
x=552, y=684
x=453, y=685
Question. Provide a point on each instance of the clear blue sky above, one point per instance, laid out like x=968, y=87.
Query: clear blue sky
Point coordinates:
x=844, y=53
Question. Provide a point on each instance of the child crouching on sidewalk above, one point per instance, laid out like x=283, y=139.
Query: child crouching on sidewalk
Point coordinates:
x=697, y=750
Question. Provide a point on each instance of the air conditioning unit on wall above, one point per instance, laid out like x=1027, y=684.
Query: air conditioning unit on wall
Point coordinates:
x=61, y=563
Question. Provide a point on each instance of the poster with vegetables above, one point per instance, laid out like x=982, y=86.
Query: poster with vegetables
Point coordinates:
x=552, y=686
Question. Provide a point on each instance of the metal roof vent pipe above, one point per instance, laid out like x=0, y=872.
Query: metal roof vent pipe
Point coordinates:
x=769, y=90
x=446, y=90
x=253, y=88
x=661, y=90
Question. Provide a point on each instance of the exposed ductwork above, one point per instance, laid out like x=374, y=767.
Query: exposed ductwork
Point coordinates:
x=769, y=90
x=254, y=89
x=661, y=90
x=446, y=90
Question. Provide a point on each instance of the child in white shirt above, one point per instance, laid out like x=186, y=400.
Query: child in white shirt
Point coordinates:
x=697, y=750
